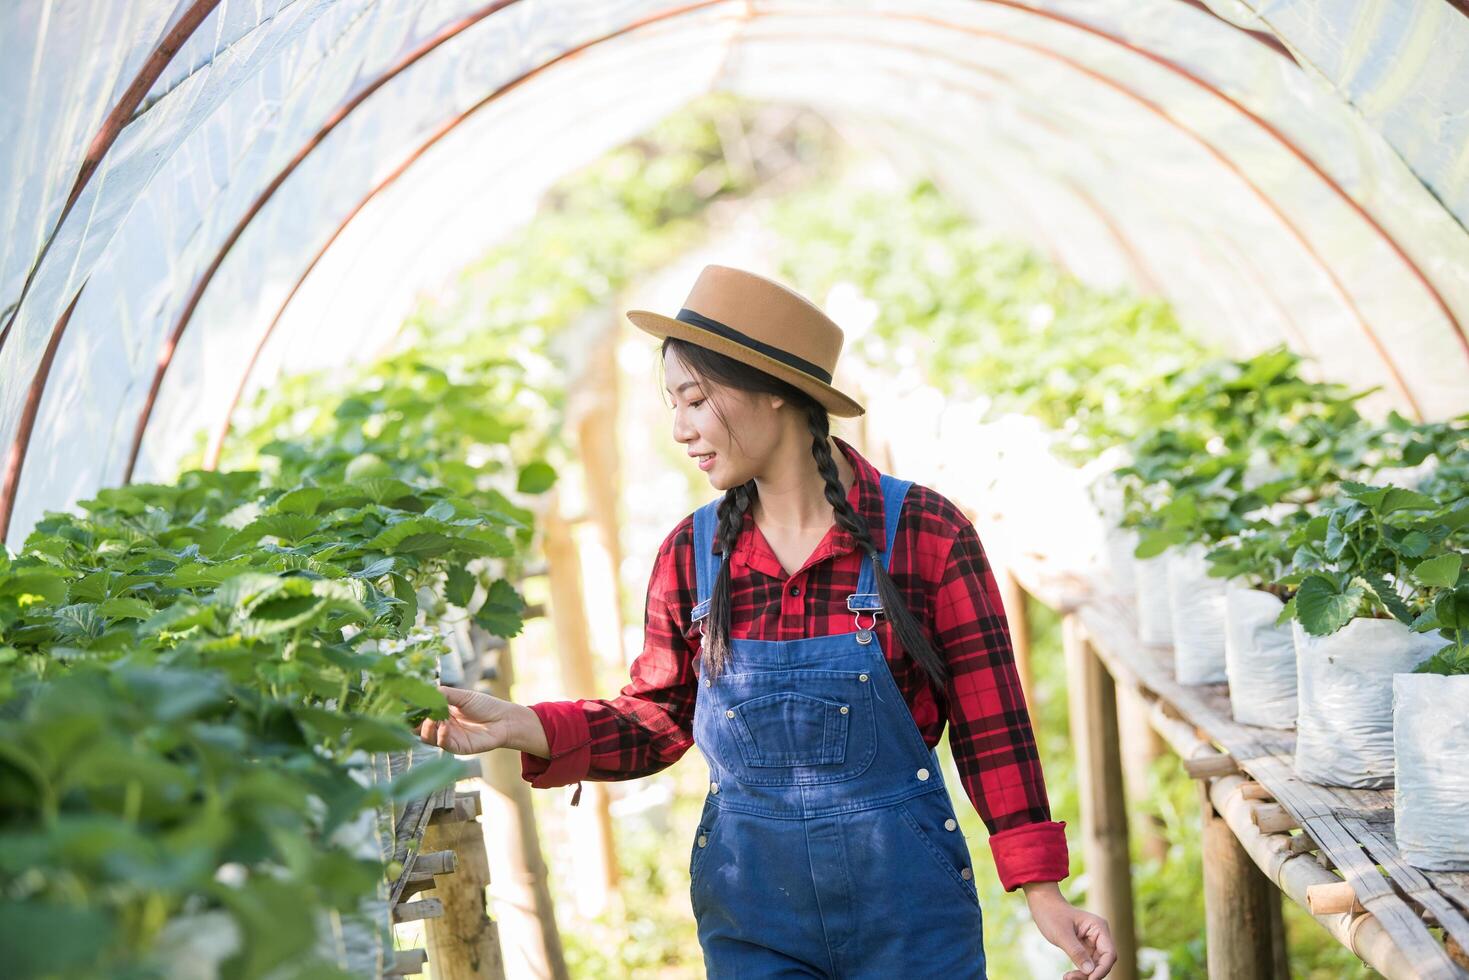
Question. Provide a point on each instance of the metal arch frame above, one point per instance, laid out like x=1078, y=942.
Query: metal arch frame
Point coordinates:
x=1154, y=107
x=217, y=440
x=112, y=127
x=39, y=380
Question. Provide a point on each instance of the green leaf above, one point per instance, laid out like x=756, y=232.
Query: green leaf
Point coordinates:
x=376, y=735
x=1441, y=572
x=1386, y=596
x=125, y=607
x=536, y=477
x=1323, y=608
x=1452, y=610
x=502, y=611
x=302, y=500
x=377, y=569
x=459, y=585
x=406, y=594
x=1400, y=499
x=47, y=585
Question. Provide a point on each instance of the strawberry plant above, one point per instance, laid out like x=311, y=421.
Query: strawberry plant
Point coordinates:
x=1380, y=552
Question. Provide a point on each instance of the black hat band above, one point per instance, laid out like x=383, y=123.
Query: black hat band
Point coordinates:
x=693, y=319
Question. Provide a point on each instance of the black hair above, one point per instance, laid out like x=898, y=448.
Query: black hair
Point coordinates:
x=711, y=366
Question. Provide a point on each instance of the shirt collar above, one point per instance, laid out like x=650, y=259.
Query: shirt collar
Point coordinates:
x=865, y=496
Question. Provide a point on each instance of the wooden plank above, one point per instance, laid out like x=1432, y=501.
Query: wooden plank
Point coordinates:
x=1412, y=881
x=462, y=944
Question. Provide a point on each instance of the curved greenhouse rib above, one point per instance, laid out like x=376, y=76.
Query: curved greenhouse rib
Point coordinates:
x=1275, y=133
x=1290, y=226
x=112, y=127
x=15, y=459
x=166, y=355
x=169, y=347
x=40, y=378
x=216, y=442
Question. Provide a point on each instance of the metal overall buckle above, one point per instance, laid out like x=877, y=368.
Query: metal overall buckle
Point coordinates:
x=863, y=603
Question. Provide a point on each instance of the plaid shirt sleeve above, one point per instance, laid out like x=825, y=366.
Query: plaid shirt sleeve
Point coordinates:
x=649, y=725
x=990, y=732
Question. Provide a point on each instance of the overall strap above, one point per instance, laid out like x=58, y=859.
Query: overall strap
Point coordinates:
x=706, y=563
x=894, y=492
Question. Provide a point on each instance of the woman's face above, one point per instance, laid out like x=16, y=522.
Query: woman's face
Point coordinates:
x=698, y=428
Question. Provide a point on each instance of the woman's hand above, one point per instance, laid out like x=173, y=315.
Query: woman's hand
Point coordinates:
x=1079, y=934
x=480, y=722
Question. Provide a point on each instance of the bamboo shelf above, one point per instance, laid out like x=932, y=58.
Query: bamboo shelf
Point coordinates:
x=1329, y=849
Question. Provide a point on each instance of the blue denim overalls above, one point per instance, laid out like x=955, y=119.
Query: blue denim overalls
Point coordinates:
x=827, y=846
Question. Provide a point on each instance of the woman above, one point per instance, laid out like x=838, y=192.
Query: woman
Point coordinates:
x=812, y=631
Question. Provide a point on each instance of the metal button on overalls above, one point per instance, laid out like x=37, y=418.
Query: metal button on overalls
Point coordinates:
x=823, y=848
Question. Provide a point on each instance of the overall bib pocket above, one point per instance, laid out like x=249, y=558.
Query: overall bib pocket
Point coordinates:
x=797, y=727
x=790, y=729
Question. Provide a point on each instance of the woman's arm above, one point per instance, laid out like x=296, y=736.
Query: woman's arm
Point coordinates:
x=995, y=749
x=647, y=727
x=989, y=724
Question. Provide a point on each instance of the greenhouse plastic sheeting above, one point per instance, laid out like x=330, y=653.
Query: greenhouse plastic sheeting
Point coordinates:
x=200, y=195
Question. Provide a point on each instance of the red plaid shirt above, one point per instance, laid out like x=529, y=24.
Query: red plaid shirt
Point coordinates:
x=939, y=566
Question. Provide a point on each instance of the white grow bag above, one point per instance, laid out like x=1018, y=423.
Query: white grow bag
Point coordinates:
x=1259, y=659
x=1196, y=604
x=1120, y=543
x=1344, y=725
x=1431, y=737
x=1154, y=622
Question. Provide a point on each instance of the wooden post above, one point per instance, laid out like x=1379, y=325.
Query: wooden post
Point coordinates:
x=1141, y=747
x=463, y=944
x=1241, y=906
x=595, y=419
x=1017, y=614
x=1093, y=702
x=530, y=943
x=1279, y=941
x=593, y=819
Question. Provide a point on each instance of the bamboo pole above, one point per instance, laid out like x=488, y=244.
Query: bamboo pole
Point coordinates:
x=463, y=944
x=1238, y=903
x=1285, y=860
x=530, y=943
x=596, y=860
x=1093, y=701
x=1141, y=747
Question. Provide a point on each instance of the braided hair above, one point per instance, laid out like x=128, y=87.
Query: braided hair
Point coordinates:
x=730, y=373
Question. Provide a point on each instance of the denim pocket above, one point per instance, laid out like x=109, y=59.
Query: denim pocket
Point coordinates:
x=792, y=729
x=946, y=847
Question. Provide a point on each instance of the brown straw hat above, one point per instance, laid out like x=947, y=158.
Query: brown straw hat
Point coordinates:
x=761, y=323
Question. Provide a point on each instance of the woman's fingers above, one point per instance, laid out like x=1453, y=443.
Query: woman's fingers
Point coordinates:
x=1078, y=952
x=1100, y=939
x=471, y=705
